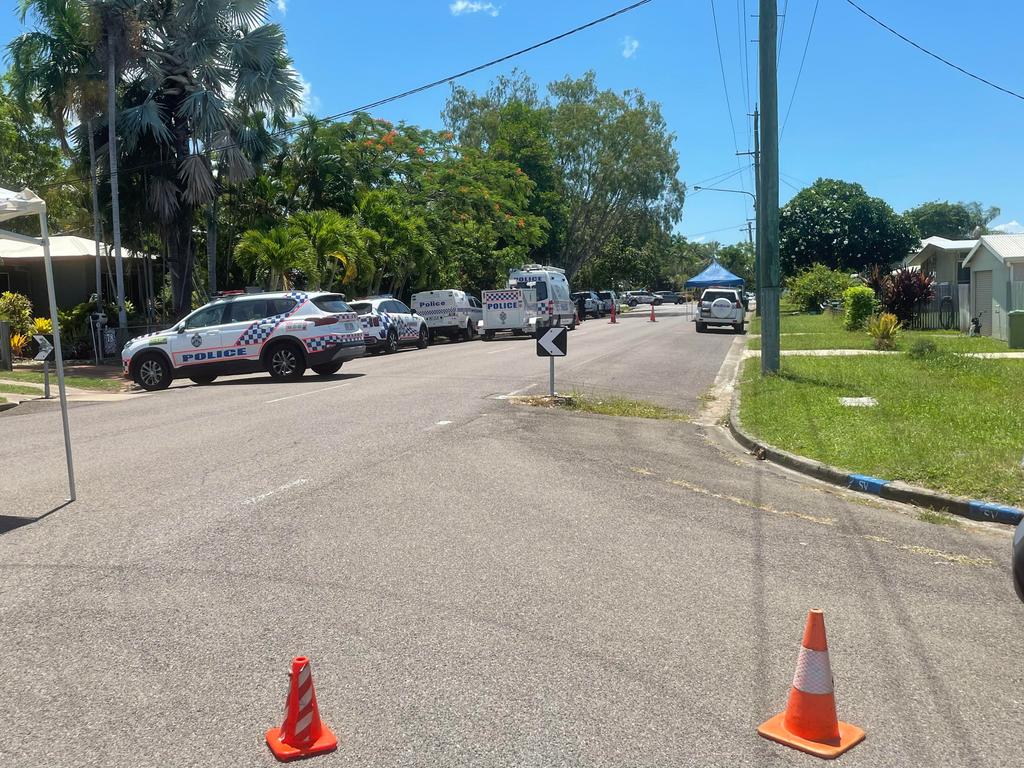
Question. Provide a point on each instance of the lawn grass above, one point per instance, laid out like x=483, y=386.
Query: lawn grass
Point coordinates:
x=825, y=331
x=946, y=422
x=78, y=382
x=20, y=389
x=611, y=405
x=938, y=518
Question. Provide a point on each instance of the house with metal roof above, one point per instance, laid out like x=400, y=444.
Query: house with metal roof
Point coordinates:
x=996, y=266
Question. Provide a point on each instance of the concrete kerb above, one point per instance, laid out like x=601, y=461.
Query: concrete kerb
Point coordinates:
x=892, y=490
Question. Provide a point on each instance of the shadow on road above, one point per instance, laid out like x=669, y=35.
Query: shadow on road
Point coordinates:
x=268, y=381
x=9, y=523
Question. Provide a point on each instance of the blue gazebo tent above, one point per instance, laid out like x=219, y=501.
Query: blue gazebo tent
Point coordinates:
x=715, y=274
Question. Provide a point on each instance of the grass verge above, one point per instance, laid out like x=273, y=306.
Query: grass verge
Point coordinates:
x=78, y=382
x=945, y=422
x=826, y=331
x=606, y=406
x=938, y=518
x=21, y=389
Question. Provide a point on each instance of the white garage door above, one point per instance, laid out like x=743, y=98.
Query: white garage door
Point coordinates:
x=983, y=299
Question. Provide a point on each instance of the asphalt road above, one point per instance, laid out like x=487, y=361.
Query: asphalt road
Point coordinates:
x=477, y=582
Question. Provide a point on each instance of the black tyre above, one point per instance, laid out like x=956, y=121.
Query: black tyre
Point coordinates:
x=518, y=332
x=433, y=337
x=741, y=328
x=488, y=335
x=153, y=372
x=203, y=380
x=391, y=343
x=327, y=369
x=285, y=362
x=701, y=327
x=468, y=332
x=424, y=338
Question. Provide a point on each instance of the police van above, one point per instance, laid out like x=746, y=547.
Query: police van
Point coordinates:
x=510, y=309
x=238, y=332
x=554, y=303
x=453, y=314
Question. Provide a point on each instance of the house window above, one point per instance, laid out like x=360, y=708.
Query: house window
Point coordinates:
x=963, y=274
x=1017, y=273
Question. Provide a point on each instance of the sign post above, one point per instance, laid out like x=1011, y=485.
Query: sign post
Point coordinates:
x=551, y=343
x=45, y=354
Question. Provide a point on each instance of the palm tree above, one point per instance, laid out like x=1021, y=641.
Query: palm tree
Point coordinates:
x=211, y=76
x=335, y=240
x=272, y=255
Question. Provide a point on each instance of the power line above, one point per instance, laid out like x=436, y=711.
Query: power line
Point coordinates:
x=713, y=231
x=782, y=29
x=947, y=62
x=725, y=85
x=719, y=178
x=397, y=96
x=807, y=44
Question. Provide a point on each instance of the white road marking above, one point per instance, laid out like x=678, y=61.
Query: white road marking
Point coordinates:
x=279, y=489
x=311, y=392
x=503, y=349
x=443, y=423
x=514, y=392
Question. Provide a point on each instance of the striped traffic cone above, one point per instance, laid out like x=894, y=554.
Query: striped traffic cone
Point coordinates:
x=612, y=321
x=653, y=320
x=809, y=722
x=302, y=734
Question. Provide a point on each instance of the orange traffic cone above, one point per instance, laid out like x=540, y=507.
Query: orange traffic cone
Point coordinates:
x=809, y=722
x=653, y=319
x=302, y=734
x=612, y=321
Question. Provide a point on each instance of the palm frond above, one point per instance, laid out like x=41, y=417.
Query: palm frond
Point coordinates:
x=258, y=48
x=136, y=121
x=163, y=198
x=205, y=110
x=194, y=174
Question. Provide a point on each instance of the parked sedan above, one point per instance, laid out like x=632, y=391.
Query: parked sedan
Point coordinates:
x=608, y=298
x=642, y=297
x=669, y=297
x=593, y=305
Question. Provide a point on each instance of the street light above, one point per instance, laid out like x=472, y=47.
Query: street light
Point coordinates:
x=719, y=189
x=757, y=245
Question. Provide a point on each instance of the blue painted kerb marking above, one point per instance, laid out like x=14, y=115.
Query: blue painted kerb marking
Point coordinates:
x=998, y=512
x=866, y=483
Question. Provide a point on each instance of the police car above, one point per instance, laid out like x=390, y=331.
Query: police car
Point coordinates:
x=388, y=323
x=280, y=333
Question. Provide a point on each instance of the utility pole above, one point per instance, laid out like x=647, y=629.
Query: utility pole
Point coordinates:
x=750, y=233
x=758, y=213
x=768, y=198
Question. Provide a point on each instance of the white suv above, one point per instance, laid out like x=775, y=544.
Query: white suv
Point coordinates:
x=238, y=332
x=721, y=306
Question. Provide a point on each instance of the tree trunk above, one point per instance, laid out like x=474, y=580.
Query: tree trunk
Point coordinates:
x=115, y=206
x=180, y=261
x=211, y=245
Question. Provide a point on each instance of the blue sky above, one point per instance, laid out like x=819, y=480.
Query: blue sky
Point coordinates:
x=869, y=108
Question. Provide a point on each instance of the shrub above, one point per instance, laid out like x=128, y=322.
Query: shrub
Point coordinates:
x=43, y=325
x=902, y=291
x=859, y=302
x=19, y=344
x=16, y=310
x=815, y=286
x=922, y=349
x=884, y=329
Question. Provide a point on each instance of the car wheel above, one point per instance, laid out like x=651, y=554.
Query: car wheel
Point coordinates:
x=391, y=343
x=153, y=372
x=203, y=380
x=469, y=331
x=701, y=327
x=433, y=337
x=424, y=338
x=327, y=369
x=742, y=328
x=284, y=362
x=488, y=335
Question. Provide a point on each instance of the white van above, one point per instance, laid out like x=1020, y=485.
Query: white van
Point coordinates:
x=453, y=314
x=554, y=303
x=510, y=309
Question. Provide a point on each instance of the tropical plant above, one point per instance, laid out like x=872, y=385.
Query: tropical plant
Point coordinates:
x=43, y=325
x=212, y=76
x=815, y=286
x=884, y=329
x=903, y=290
x=273, y=256
x=19, y=344
x=859, y=305
x=336, y=241
x=16, y=309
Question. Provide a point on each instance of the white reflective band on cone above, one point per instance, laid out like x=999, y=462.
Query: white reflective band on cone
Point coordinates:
x=813, y=672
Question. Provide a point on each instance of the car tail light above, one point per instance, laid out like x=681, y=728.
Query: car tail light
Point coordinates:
x=375, y=321
x=325, y=320
x=736, y=304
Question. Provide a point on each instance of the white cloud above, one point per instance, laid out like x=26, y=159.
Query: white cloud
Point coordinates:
x=460, y=7
x=1011, y=227
x=310, y=101
x=700, y=239
x=629, y=46
x=282, y=6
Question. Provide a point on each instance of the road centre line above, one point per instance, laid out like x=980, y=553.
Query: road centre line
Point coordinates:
x=503, y=349
x=279, y=489
x=312, y=392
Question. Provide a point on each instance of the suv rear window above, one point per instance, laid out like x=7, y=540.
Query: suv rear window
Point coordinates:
x=604, y=294
x=362, y=307
x=712, y=295
x=332, y=303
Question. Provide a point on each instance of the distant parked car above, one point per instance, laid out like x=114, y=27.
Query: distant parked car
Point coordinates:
x=592, y=303
x=669, y=297
x=608, y=298
x=641, y=297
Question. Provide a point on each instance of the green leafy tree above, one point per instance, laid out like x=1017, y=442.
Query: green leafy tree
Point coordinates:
x=335, y=242
x=738, y=259
x=836, y=223
x=815, y=286
x=272, y=257
x=954, y=221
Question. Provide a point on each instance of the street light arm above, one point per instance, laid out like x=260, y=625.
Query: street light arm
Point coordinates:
x=719, y=189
